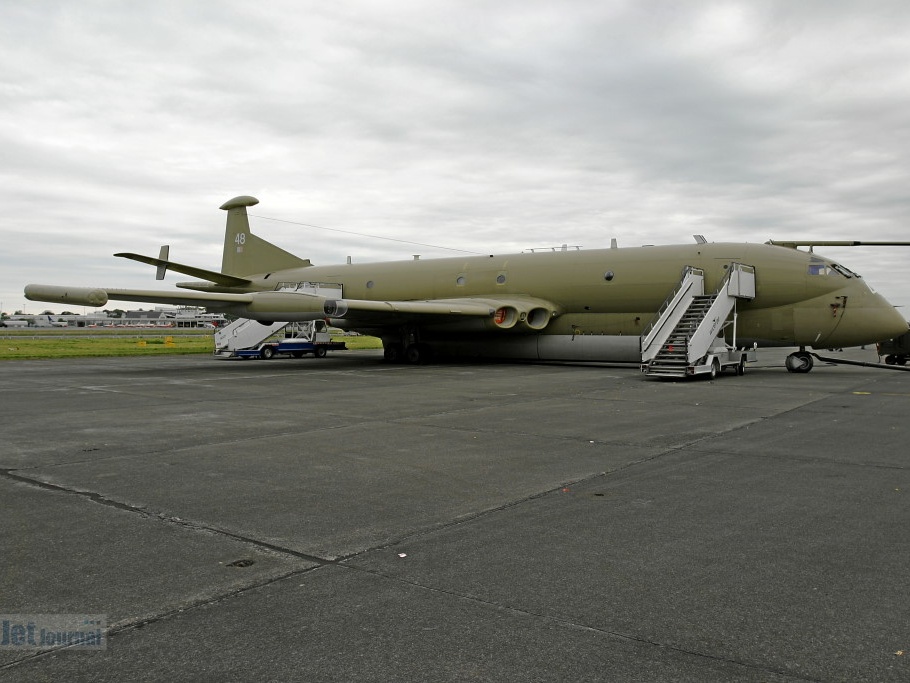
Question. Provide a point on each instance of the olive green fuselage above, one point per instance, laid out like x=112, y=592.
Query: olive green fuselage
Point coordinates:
x=616, y=292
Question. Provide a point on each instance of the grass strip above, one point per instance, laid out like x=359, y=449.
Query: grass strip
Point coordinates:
x=38, y=346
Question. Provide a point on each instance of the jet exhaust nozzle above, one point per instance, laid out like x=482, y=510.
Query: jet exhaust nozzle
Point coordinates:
x=505, y=317
x=293, y=307
x=537, y=318
x=521, y=318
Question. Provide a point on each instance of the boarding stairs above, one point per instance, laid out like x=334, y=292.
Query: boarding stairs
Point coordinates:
x=690, y=327
x=243, y=333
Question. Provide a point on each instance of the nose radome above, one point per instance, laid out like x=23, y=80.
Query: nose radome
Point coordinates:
x=883, y=321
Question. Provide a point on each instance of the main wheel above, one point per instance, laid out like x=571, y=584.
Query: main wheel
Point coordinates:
x=267, y=352
x=392, y=353
x=319, y=352
x=715, y=368
x=414, y=354
x=741, y=367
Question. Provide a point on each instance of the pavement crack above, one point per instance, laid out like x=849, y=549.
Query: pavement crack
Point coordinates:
x=91, y=495
x=168, y=519
x=271, y=547
x=135, y=624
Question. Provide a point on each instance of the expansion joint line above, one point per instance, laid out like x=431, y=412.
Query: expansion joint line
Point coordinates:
x=188, y=524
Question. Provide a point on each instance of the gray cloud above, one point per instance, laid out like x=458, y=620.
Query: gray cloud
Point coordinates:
x=465, y=124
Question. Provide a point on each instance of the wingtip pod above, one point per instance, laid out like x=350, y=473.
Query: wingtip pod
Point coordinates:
x=76, y=296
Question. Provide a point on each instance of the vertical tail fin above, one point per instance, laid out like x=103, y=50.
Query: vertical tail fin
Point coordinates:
x=246, y=254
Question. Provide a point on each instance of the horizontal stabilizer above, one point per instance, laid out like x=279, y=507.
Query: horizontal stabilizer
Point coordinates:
x=210, y=275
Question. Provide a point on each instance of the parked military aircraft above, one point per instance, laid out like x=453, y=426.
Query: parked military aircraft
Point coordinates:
x=573, y=305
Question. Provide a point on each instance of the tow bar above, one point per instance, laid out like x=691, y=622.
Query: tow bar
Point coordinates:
x=841, y=361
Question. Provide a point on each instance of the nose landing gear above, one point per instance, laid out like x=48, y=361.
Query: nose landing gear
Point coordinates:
x=800, y=361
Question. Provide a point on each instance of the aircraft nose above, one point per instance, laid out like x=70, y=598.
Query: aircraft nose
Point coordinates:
x=865, y=317
x=884, y=321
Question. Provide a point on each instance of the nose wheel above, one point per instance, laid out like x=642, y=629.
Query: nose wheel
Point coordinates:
x=801, y=361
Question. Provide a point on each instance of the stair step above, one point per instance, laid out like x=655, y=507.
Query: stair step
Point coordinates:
x=651, y=373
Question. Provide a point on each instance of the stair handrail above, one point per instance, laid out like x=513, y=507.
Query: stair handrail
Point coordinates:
x=649, y=328
x=699, y=341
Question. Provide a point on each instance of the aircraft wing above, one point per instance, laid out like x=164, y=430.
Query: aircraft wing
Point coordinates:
x=298, y=306
x=793, y=244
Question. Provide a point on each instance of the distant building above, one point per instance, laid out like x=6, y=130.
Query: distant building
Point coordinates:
x=182, y=316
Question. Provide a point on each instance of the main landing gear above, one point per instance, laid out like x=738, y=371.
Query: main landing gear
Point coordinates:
x=406, y=347
x=800, y=361
x=414, y=354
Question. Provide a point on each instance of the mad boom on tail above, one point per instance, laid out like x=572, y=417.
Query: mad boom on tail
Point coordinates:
x=595, y=305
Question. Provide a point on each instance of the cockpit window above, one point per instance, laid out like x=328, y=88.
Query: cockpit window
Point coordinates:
x=822, y=268
x=846, y=272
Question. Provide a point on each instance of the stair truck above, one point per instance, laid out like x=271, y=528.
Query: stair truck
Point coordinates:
x=251, y=339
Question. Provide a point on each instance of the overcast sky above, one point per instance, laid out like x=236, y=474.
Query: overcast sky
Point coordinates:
x=483, y=126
